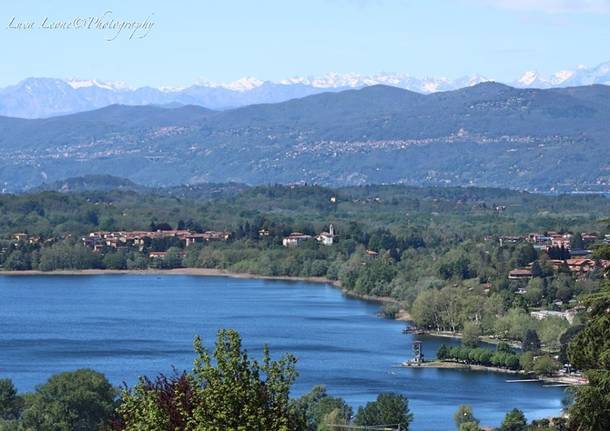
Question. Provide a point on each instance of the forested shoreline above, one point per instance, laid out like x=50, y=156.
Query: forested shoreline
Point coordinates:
x=435, y=252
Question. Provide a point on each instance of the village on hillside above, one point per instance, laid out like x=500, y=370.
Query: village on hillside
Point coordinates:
x=567, y=253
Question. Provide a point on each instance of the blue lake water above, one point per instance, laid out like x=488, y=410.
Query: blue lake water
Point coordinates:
x=131, y=325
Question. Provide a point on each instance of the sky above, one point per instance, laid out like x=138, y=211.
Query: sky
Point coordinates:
x=225, y=40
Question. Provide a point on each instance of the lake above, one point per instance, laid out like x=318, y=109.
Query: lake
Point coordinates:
x=131, y=325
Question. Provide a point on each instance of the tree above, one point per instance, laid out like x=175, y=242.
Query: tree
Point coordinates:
x=10, y=403
x=469, y=426
x=317, y=407
x=504, y=347
x=442, y=353
x=17, y=261
x=116, y=260
x=464, y=415
x=526, y=362
x=173, y=259
x=550, y=331
x=602, y=252
x=238, y=392
x=514, y=421
x=335, y=408
x=81, y=400
x=226, y=391
x=471, y=334
x=535, y=291
x=389, y=409
x=590, y=352
x=525, y=254
x=537, y=269
x=333, y=419
x=545, y=366
x=67, y=256
x=576, y=242
x=531, y=342
x=514, y=324
x=565, y=339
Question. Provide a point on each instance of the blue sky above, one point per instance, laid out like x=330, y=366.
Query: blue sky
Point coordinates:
x=224, y=40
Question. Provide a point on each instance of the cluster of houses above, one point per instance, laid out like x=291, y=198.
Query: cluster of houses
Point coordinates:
x=578, y=267
x=25, y=238
x=578, y=263
x=138, y=239
x=297, y=238
x=551, y=239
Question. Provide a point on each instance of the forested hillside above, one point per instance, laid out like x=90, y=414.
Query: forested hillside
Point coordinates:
x=486, y=135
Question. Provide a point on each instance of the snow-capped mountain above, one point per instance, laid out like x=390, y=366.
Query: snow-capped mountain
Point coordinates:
x=566, y=78
x=46, y=97
x=87, y=83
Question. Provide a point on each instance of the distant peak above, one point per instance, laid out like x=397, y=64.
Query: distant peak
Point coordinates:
x=562, y=76
x=86, y=83
x=528, y=78
x=244, y=84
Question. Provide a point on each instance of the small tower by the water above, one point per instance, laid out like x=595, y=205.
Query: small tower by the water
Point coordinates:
x=418, y=354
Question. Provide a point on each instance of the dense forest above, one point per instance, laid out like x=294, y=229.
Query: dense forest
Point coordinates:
x=433, y=252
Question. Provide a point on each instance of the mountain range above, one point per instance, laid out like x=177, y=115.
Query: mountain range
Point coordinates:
x=46, y=97
x=488, y=134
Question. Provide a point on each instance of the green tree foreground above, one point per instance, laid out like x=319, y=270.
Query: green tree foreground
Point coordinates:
x=226, y=391
x=229, y=391
x=82, y=400
x=590, y=351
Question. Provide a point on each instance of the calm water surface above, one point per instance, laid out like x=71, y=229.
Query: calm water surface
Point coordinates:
x=130, y=325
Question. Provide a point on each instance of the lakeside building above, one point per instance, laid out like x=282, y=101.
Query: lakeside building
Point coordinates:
x=100, y=240
x=297, y=238
x=327, y=238
x=520, y=274
x=294, y=239
x=543, y=314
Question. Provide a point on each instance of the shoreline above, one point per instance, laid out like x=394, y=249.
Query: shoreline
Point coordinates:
x=403, y=315
x=557, y=380
x=458, y=336
x=202, y=272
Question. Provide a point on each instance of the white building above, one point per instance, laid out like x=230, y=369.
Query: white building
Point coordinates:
x=327, y=238
x=294, y=239
x=543, y=314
